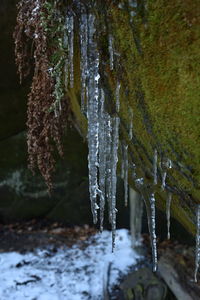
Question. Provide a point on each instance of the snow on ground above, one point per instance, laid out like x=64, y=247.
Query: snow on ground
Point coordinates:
x=69, y=273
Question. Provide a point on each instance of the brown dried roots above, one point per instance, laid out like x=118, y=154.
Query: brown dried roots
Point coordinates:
x=45, y=127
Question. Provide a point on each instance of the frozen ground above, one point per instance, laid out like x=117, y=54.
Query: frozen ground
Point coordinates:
x=68, y=273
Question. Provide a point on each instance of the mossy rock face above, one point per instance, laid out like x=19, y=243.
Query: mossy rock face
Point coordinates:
x=157, y=46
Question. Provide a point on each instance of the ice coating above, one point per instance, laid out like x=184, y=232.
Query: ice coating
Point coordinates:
x=153, y=231
x=83, y=33
x=155, y=162
x=114, y=160
x=93, y=118
x=168, y=208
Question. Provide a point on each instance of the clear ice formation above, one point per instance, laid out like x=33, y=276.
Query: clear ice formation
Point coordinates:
x=84, y=58
x=93, y=117
x=165, y=165
x=117, y=95
x=168, y=216
x=126, y=175
x=152, y=229
x=155, y=167
x=131, y=124
x=114, y=160
x=164, y=175
x=197, y=252
x=124, y=170
x=103, y=129
x=68, y=44
x=111, y=51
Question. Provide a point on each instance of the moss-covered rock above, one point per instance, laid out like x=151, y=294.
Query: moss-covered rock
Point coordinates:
x=157, y=64
x=24, y=195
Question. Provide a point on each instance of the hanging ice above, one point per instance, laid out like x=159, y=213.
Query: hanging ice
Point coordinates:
x=167, y=164
x=114, y=160
x=102, y=157
x=111, y=51
x=70, y=42
x=197, y=252
x=164, y=175
x=131, y=124
x=84, y=58
x=125, y=174
x=108, y=148
x=117, y=96
x=168, y=208
x=93, y=118
x=153, y=231
x=122, y=159
x=155, y=162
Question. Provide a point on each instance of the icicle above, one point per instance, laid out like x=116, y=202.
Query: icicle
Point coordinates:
x=164, y=175
x=114, y=160
x=155, y=162
x=131, y=125
x=111, y=51
x=133, y=169
x=93, y=118
x=168, y=208
x=153, y=231
x=84, y=58
x=117, y=95
x=126, y=175
x=102, y=158
x=122, y=160
x=108, y=149
x=66, y=45
x=197, y=252
x=165, y=165
x=66, y=71
x=136, y=212
x=70, y=34
x=124, y=170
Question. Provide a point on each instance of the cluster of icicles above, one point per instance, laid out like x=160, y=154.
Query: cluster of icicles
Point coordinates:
x=103, y=135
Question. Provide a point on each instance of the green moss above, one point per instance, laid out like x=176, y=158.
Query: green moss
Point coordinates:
x=166, y=73
x=158, y=67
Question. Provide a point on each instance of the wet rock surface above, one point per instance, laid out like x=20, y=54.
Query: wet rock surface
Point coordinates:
x=24, y=195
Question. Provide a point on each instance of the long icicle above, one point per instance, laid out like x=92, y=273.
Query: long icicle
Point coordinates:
x=168, y=214
x=155, y=167
x=83, y=32
x=115, y=144
x=117, y=96
x=153, y=231
x=108, y=149
x=131, y=124
x=197, y=252
x=111, y=51
x=93, y=118
x=70, y=30
x=126, y=174
x=102, y=158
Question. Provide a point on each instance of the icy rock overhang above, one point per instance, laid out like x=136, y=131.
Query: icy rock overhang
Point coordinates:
x=125, y=73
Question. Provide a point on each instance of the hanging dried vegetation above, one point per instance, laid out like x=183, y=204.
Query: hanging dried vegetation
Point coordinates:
x=38, y=36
